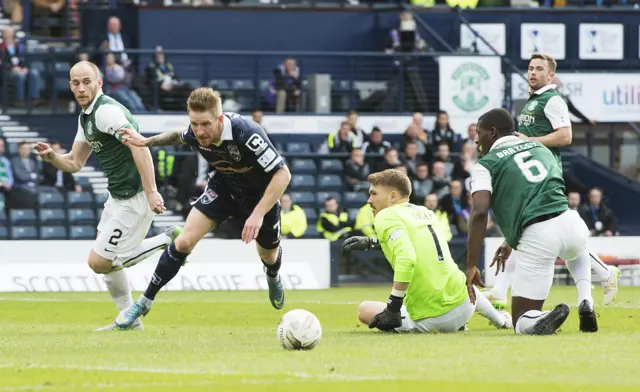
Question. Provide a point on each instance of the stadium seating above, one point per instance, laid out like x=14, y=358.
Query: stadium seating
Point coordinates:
x=352, y=212
x=4, y=233
x=298, y=148
x=330, y=181
x=311, y=232
x=53, y=233
x=81, y=216
x=355, y=199
x=3, y=218
x=80, y=200
x=82, y=233
x=24, y=233
x=303, y=181
x=312, y=215
x=50, y=198
x=303, y=199
x=23, y=217
x=324, y=195
x=52, y=217
x=303, y=166
x=331, y=166
x=101, y=198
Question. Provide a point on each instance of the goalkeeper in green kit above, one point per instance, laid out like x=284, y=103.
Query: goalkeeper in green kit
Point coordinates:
x=426, y=279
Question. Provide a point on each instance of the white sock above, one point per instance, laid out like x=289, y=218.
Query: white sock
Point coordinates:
x=580, y=269
x=599, y=267
x=525, y=323
x=504, y=280
x=484, y=307
x=118, y=284
x=146, y=302
x=148, y=247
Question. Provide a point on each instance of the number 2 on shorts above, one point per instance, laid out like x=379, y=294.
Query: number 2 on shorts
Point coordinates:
x=117, y=233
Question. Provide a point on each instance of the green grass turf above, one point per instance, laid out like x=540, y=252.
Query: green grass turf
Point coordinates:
x=226, y=341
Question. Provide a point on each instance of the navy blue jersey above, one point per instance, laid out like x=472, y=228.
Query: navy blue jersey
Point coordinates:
x=245, y=160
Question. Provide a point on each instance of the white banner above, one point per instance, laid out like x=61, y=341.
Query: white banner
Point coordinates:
x=213, y=265
x=601, y=41
x=470, y=85
x=320, y=124
x=494, y=33
x=622, y=251
x=546, y=38
x=603, y=97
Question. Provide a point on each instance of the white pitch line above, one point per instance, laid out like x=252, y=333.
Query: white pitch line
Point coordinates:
x=211, y=301
x=254, y=375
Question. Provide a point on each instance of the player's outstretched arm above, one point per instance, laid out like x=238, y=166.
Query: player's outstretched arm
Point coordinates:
x=278, y=184
x=71, y=162
x=132, y=138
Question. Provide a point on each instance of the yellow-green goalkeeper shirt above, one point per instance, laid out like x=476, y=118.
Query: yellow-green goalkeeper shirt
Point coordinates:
x=412, y=241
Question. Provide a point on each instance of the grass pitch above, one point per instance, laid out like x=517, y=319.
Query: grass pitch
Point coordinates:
x=226, y=341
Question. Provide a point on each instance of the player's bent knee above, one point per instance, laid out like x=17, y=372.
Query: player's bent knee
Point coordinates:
x=268, y=255
x=184, y=244
x=99, y=264
x=368, y=309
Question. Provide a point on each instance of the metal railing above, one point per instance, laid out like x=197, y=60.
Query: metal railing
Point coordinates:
x=369, y=81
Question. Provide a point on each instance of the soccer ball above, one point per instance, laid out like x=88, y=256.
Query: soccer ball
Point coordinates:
x=299, y=330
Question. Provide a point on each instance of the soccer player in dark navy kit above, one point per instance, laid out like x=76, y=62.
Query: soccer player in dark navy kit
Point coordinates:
x=248, y=177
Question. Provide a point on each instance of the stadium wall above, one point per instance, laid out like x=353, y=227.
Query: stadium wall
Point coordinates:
x=54, y=266
x=349, y=30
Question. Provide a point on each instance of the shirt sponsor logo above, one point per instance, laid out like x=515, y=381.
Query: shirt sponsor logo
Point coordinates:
x=256, y=144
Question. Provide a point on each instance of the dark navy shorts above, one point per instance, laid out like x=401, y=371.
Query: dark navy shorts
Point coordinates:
x=218, y=204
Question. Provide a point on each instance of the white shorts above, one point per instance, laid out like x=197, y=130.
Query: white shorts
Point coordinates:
x=451, y=321
x=564, y=236
x=123, y=226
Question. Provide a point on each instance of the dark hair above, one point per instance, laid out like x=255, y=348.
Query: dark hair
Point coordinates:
x=376, y=129
x=352, y=111
x=498, y=118
x=54, y=141
x=330, y=198
x=22, y=143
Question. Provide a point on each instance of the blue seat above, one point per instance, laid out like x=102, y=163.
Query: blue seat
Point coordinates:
x=331, y=166
x=101, y=198
x=24, y=233
x=53, y=233
x=3, y=218
x=80, y=216
x=329, y=181
x=23, y=217
x=298, y=148
x=2, y=199
x=4, y=233
x=79, y=199
x=311, y=232
x=99, y=213
x=324, y=195
x=355, y=199
x=303, y=198
x=352, y=212
x=52, y=216
x=304, y=181
x=303, y=166
x=311, y=213
x=48, y=198
x=82, y=233
x=219, y=84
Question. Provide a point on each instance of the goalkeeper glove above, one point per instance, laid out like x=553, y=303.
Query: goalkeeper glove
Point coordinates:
x=359, y=243
x=390, y=318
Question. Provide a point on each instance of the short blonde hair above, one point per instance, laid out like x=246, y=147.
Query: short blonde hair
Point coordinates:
x=392, y=178
x=205, y=99
x=551, y=62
